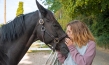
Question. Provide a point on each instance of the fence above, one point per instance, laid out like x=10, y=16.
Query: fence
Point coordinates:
x=52, y=59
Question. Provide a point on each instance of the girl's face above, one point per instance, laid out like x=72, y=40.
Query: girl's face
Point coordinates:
x=69, y=32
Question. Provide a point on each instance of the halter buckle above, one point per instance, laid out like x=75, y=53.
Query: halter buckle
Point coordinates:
x=56, y=40
x=41, y=21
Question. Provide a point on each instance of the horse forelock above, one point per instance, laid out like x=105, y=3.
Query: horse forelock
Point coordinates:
x=14, y=29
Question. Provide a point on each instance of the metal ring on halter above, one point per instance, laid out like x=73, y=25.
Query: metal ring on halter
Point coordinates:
x=42, y=28
x=56, y=40
x=41, y=21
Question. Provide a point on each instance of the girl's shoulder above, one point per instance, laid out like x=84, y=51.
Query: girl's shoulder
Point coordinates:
x=91, y=43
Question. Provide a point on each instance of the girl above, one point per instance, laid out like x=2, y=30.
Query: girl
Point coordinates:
x=81, y=45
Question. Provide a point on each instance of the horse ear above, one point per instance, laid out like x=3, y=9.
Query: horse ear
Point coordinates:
x=42, y=10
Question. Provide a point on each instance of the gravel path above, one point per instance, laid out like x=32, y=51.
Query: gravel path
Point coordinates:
x=102, y=57
x=36, y=58
x=39, y=58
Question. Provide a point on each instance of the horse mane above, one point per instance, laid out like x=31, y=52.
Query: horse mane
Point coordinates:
x=13, y=29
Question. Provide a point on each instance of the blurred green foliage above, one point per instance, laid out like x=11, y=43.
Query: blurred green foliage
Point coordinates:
x=95, y=13
x=20, y=9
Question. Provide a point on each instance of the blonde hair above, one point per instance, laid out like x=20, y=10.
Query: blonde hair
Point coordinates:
x=80, y=32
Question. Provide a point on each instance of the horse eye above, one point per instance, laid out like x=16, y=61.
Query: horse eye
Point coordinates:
x=55, y=25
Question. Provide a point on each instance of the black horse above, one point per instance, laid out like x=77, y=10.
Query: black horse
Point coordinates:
x=17, y=36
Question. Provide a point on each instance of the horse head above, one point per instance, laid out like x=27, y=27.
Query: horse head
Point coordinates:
x=49, y=30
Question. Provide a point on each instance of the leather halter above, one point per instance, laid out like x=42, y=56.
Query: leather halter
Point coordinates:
x=44, y=30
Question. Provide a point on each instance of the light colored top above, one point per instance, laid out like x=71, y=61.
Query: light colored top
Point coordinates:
x=78, y=58
x=69, y=60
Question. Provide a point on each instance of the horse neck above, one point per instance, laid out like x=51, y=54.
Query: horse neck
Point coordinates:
x=17, y=48
x=31, y=39
x=29, y=43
